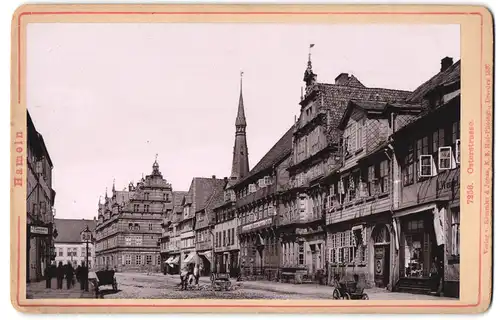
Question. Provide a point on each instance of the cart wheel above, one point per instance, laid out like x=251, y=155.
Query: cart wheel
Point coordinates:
x=364, y=297
x=347, y=296
x=336, y=294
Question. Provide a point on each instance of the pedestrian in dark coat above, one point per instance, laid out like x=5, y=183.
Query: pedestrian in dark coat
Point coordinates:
x=60, y=271
x=69, y=275
x=84, y=276
x=48, y=276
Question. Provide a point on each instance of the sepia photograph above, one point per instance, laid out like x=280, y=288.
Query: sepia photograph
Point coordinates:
x=243, y=161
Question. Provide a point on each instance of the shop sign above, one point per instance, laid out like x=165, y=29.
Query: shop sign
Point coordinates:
x=39, y=230
x=257, y=224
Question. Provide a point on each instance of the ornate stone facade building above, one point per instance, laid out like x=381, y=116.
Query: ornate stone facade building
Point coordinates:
x=129, y=224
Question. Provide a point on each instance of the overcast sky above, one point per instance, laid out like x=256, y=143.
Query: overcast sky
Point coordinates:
x=108, y=97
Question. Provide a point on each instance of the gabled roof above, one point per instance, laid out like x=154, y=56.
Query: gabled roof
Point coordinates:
x=336, y=98
x=444, y=78
x=178, y=197
x=35, y=138
x=69, y=230
x=201, y=189
x=376, y=107
x=279, y=151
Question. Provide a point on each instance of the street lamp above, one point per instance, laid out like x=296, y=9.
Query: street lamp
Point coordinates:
x=86, y=237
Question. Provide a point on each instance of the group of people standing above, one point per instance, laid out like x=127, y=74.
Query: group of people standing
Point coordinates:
x=67, y=272
x=189, y=273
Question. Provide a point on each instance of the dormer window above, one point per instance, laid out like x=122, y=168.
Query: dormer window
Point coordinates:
x=353, y=136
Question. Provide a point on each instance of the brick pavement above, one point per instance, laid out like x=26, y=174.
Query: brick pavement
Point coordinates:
x=37, y=290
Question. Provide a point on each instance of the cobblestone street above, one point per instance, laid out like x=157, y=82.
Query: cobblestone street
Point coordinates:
x=134, y=285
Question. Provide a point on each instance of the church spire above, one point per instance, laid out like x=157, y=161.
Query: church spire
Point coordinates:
x=240, y=118
x=113, y=190
x=240, y=166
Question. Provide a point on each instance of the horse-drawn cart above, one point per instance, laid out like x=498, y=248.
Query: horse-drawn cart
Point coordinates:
x=103, y=278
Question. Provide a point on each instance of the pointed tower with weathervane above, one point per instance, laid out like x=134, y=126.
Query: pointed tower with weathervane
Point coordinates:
x=240, y=166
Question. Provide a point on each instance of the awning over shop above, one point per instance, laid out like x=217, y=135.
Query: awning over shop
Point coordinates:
x=175, y=260
x=169, y=260
x=190, y=258
x=207, y=254
x=416, y=209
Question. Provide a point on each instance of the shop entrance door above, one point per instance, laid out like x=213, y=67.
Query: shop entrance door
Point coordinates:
x=381, y=246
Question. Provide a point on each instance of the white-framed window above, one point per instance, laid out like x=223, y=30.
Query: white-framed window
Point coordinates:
x=252, y=188
x=455, y=232
x=262, y=183
x=426, y=166
x=446, y=160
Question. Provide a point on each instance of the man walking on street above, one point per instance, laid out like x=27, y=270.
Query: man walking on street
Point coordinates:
x=184, y=277
x=196, y=274
x=60, y=275
x=48, y=276
x=69, y=275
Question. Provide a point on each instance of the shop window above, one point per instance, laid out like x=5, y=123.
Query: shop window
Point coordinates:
x=455, y=232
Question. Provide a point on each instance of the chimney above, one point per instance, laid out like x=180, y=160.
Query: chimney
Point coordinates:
x=213, y=177
x=446, y=62
x=342, y=79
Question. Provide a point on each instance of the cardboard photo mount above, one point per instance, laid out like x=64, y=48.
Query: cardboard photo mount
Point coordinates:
x=476, y=127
